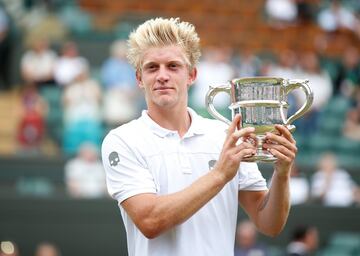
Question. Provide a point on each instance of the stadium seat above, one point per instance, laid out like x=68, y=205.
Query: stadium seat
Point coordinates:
x=344, y=243
x=53, y=95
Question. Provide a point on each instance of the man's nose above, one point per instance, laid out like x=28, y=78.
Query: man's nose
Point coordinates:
x=163, y=75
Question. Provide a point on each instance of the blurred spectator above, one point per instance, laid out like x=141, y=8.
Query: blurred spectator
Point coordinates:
x=213, y=70
x=8, y=248
x=336, y=17
x=31, y=128
x=351, y=128
x=331, y=185
x=286, y=67
x=116, y=71
x=38, y=62
x=321, y=85
x=82, y=113
x=121, y=101
x=84, y=174
x=46, y=249
x=39, y=20
x=5, y=49
x=281, y=12
x=304, y=241
x=69, y=65
x=246, y=243
x=247, y=64
x=348, y=81
x=299, y=187
x=306, y=10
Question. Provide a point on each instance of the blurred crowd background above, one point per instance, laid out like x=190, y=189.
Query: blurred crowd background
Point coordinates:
x=65, y=82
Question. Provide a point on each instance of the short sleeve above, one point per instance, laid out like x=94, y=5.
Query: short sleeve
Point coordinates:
x=126, y=173
x=250, y=178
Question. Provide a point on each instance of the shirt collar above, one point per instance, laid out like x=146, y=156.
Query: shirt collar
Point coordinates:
x=195, y=126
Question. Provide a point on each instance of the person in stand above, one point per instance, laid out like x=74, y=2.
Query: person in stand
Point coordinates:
x=304, y=241
x=47, y=249
x=178, y=177
x=247, y=243
x=332, y=185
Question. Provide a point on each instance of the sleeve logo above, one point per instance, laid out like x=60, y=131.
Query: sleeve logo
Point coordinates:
x=114, y=158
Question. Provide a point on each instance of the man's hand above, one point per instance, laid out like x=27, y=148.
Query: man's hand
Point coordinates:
x=283, y=146
x=233, y=152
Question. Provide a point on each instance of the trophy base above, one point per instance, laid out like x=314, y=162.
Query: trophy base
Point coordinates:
x=260, y=156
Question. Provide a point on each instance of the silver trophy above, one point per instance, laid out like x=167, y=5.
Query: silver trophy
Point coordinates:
x=262, y=103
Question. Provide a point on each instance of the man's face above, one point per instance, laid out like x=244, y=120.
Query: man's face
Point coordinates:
x=165, y=77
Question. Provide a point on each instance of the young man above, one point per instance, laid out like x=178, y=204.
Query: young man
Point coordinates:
x=178, y=177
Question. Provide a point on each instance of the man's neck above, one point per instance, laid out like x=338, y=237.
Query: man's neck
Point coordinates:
x=178, y=120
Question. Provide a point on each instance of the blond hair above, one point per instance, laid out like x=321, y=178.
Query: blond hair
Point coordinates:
x=164, y=32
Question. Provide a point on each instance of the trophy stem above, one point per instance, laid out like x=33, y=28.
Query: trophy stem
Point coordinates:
x=261, y=154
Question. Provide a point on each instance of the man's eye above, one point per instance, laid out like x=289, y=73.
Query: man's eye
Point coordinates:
x=151, y=67
x=173, y=65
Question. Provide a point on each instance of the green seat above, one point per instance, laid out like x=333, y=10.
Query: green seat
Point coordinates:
x=330, y=124
x=306, y=158
x=320, y=143
x=337, y=105
x=275, y=251
x=54, y=119
x=336, y=251
x=347, y=146
x=302, y=142
x=346, y=240
x=52, y=94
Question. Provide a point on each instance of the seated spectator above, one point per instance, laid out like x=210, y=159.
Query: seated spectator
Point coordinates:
x=84, y=174
x=348, y=81
x=246, y=243
x=121, y=96
x=116, y=71
x=304, y=241
x=331, y=185
x=336, y=17
x=31, y=128
x=351, y=128
x=69, y=65
x=281, y=12
x=213, y=70
x=5, y=48
x=47, y=249
x=299, y=187
x=37, y=64
x=321, y=85
x=82, y=113
x=286, y=67
x=247, y=64
x=306, y=11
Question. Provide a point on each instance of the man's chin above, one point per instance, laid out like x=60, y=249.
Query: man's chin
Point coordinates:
x=165, y=102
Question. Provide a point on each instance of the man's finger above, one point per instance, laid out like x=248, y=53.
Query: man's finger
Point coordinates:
x=285, y=132
x=234, y=125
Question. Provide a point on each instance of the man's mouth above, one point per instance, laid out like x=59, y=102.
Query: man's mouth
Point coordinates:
x=163, y=88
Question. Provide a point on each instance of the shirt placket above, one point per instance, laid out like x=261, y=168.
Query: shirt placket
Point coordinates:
x=183, y=158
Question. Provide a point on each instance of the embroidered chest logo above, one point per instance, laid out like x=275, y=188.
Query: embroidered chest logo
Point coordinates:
x=212, y=164
x=114, y=158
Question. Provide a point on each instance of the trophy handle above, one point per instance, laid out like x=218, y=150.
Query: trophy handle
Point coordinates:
x=302, y=84
x=210, y=98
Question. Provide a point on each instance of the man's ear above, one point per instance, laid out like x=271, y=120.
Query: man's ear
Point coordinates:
x=139, y=79
x=192, y=76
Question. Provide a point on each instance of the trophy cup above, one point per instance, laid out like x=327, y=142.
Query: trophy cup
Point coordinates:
x=262, y=103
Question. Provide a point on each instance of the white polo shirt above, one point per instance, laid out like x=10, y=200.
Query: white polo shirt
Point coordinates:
x=142, y=157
